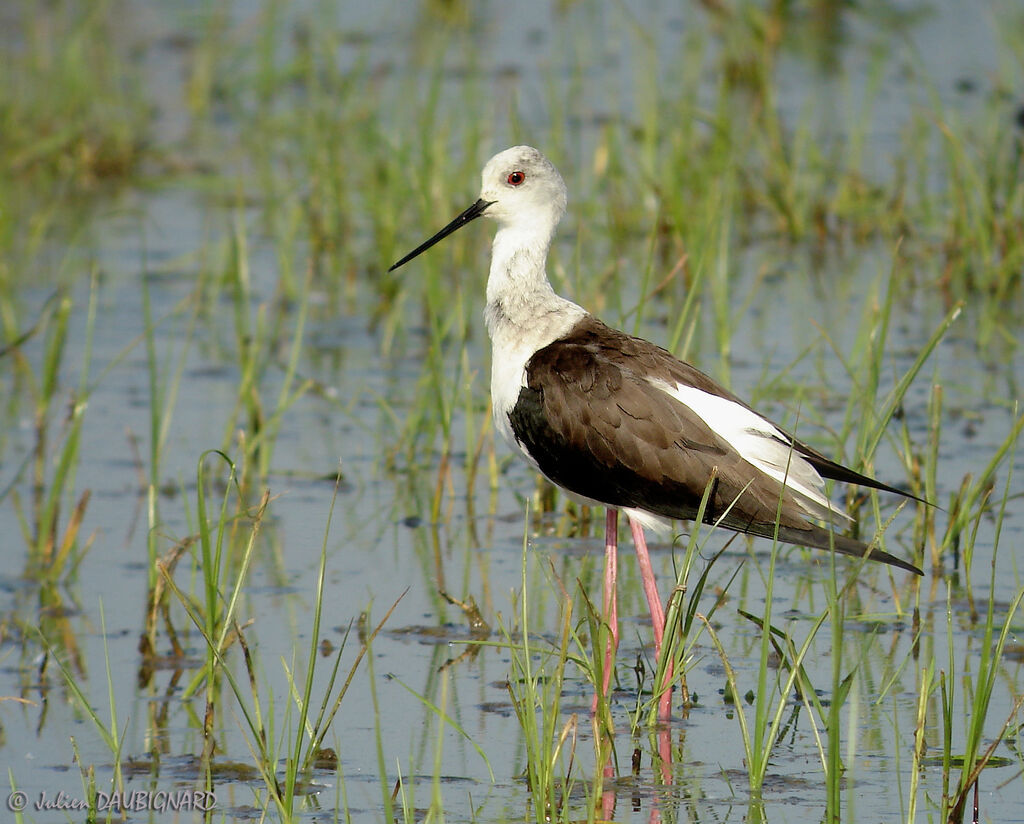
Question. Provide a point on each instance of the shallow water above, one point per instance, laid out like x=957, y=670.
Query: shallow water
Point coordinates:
x=381, y=543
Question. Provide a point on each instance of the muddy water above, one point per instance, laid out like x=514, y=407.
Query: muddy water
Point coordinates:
x=382, y=546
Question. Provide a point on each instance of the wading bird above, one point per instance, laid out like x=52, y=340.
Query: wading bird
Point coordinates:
x=619, y=422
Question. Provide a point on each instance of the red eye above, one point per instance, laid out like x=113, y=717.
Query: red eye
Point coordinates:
x=516, y=178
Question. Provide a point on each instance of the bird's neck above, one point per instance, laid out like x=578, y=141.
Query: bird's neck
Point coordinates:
x=518, y=261
x=521, y=305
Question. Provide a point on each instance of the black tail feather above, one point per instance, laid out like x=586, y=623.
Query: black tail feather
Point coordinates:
x=824, y=539
x=816, y=538
x=838, y=472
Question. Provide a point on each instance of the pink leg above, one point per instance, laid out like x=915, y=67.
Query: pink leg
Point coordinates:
x=608, y=793
x=657, y=611
x=610, y=613
x=610, y=604
x=650, y=586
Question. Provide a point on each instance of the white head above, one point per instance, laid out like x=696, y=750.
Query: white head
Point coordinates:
x=522, y=187
x=521, y=190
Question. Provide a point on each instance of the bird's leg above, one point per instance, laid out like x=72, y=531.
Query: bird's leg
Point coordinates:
x=610, y=613
x=610, y=605
x=650, y=586
x=657, y=611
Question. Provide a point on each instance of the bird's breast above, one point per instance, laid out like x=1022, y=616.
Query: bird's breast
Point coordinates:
x=518, y=329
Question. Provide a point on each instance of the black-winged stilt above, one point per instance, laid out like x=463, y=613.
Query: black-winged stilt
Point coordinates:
x=617, y=421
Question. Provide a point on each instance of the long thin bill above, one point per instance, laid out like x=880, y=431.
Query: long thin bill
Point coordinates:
x=472, y=213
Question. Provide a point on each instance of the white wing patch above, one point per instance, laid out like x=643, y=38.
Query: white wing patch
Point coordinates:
x=759, y=443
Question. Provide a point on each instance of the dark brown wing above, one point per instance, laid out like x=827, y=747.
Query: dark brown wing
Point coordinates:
x=591, y=419
x=627, y=350
x=595, y=425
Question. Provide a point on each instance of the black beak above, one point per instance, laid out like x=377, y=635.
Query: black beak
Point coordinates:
x=472, y=213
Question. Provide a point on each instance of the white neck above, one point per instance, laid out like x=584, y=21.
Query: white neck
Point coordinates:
x=517, y=264
x=520, y=300
x=523, y=315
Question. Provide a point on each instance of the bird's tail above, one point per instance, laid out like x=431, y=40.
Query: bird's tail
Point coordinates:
x=816, y=538
x=825, y=539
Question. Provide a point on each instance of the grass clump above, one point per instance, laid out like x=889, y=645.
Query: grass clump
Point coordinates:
x=287, y=748
x=536, y=679
x=72, y=107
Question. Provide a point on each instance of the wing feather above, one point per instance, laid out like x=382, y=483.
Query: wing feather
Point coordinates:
x=617, y=420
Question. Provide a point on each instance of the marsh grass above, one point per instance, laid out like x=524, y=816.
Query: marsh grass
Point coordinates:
x=971, y=502
x=535, y=685
x=295, y=739
x=261, y=331
x=111, y=731
x=978, y=688
x=286, y=747
x=870, y=415
x=93, y=123
x=54, y=552
x=436, y=809
x=760, y=733
x=52, y=518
